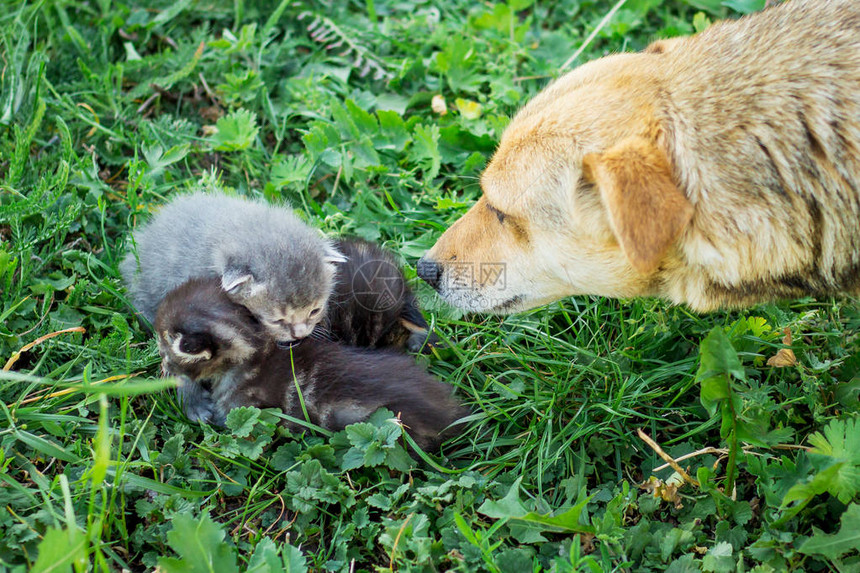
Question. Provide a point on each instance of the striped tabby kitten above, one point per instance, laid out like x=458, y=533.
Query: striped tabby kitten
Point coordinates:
x=217, y=346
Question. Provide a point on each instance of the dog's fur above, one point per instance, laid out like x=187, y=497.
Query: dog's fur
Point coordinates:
x=719, y=170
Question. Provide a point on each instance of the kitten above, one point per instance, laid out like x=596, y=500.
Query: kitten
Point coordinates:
x=217, y=346
x=371, y=305
x=268, y=260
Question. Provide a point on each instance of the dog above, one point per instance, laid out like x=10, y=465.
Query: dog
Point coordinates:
x=718, y=171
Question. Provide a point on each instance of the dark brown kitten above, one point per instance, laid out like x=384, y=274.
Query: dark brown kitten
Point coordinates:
x=371, y=305
x=218, y=347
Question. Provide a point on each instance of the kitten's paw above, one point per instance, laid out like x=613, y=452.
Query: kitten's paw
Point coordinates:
x=422, y=342
x=196, y=401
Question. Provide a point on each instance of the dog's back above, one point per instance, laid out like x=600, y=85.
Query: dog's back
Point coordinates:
x=770, y=107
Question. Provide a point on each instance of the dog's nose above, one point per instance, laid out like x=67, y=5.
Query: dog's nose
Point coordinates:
x=429, y=271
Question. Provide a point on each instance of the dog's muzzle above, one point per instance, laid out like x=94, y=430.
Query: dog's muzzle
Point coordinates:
x=430, y=272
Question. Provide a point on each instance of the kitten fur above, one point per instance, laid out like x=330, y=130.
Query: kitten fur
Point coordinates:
x=267, y=259
x=371, y=305
x=217, y=346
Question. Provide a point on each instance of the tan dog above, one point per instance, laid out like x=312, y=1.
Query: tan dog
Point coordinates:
x=718, y=170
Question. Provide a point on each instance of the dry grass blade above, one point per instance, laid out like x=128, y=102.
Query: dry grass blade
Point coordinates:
x=65, y=391
x=702, y=452
x=14, y=358
x=666, y=457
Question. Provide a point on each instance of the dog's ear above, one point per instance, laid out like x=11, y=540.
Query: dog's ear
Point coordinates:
x=647, y=211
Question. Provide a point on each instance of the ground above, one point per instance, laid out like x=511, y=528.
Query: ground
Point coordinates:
x=375, y=119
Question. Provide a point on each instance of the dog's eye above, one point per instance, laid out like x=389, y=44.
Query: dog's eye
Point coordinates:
x=497, y=213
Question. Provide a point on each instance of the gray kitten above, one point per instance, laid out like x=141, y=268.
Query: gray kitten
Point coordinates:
x=268, y=260
x=221, y=352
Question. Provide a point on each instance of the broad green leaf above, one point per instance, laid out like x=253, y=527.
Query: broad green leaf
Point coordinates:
x=312, y=483
x=841, y=442
x=520, y=4
x=361, y=434
x=235, y=131
x=701, y=22
x=365, y=153
x=294, y=560
x=200, y=545
x=719, y=357
x=719, y=361
x=344, y=122
x=241, y=421
x=267, y=559
x=425, y=150
x=253, y=449
x=675, y=538
x=398, y=459
x=374, y=455
x=510, y=507
x=352, y=459
x=457, y=61
x=60, y=549
x=392, y=134
x=719, y=559
x=158, y=159
x=834, y=546
x=363, y=120
x=684, y=564
x=290, y=169
x=515, y=559
x=822, y=481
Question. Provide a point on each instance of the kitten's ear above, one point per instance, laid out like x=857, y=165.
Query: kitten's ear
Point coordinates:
x=235, y=277
x=193, y=346
x=333, y=256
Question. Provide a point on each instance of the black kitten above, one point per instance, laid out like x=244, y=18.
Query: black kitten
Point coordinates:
x=371, y=305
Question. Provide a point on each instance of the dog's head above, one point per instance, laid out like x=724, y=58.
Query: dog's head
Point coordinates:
x=579, y=198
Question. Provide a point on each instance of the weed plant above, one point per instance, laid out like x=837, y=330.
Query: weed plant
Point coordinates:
x=375, y=119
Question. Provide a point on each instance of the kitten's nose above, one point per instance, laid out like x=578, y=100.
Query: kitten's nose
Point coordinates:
x=286, y=337
x=301, y=330
x=429, y=271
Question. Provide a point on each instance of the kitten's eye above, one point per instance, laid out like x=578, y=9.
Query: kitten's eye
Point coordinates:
x=315, y=313
x=194, y=343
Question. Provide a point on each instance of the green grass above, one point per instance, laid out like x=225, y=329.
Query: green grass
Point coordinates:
x=107, y=109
